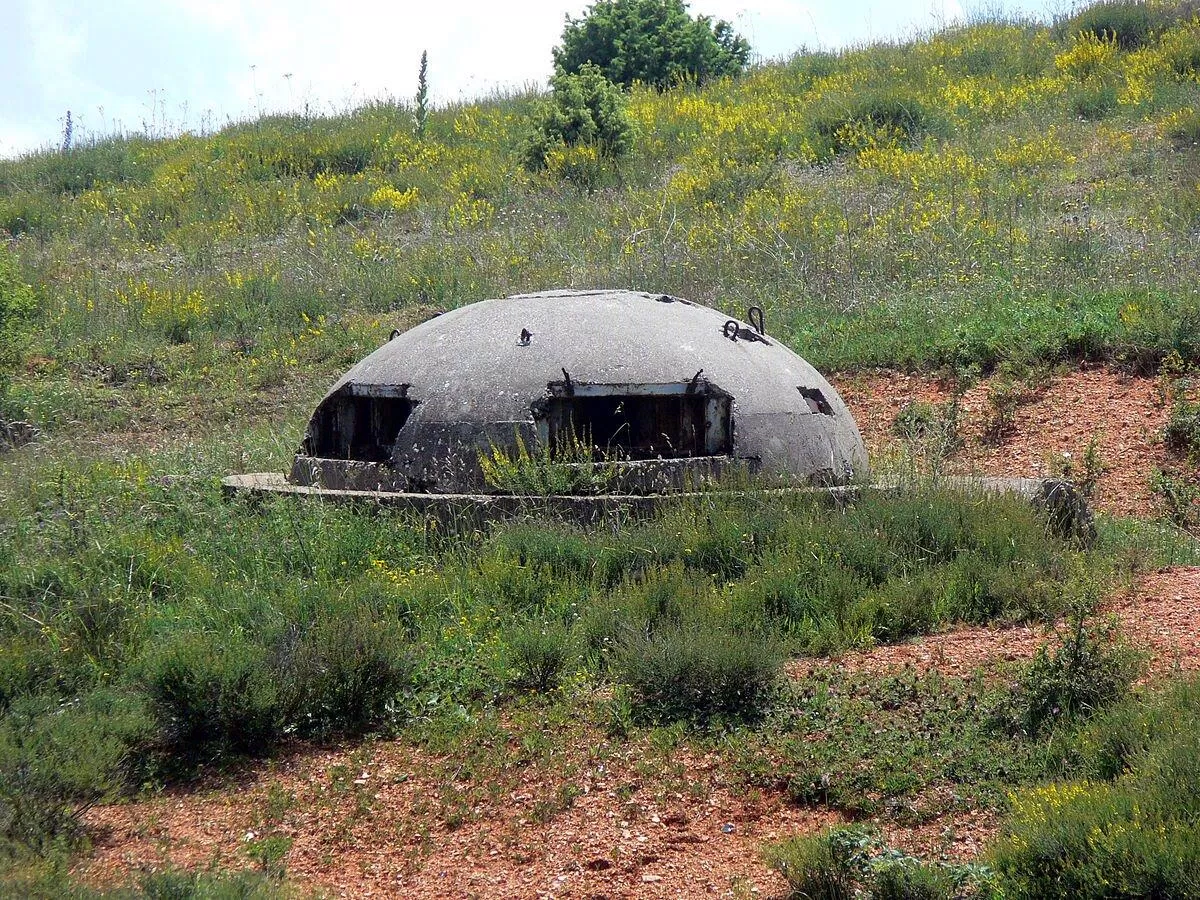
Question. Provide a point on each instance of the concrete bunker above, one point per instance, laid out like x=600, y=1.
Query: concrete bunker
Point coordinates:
x=661, y=391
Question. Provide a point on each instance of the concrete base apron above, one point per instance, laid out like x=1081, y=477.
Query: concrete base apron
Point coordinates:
x=1064, y=505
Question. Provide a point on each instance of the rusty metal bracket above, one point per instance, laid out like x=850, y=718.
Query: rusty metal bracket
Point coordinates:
x=761, y=324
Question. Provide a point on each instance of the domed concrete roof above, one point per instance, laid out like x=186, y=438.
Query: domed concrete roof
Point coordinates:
x=644, y=377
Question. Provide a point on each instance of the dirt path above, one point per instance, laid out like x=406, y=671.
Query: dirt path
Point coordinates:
x=595, y=818
x=1125, y=413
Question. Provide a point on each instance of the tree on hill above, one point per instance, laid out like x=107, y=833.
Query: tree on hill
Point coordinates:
x=653, y=41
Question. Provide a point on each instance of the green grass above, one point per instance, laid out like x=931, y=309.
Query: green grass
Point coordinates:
x=1000, y=195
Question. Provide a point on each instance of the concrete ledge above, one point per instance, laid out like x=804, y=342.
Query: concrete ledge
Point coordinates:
x=1065, y=507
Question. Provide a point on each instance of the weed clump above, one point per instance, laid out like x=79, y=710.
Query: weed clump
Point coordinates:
x=695, y=671
x=57, y=759
x=845, y=863
x=1090, y=669
x=540, y=652
x=871, y=117
x=1128, y=824
x=582, y=130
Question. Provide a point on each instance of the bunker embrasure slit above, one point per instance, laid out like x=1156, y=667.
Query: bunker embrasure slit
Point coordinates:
x=817, y=404
x=639, y=421
x=359, y=423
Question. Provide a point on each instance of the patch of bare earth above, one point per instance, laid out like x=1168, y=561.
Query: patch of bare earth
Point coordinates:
x=1160, y=615
x=375, y=821
x=1125, y=413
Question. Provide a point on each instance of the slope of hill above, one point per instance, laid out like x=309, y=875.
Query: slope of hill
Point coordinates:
x=997, y=191
x=973, y=208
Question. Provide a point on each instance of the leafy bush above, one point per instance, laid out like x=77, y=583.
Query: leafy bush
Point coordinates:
x=176, y=884
x=1131, y=23
x=57, y=759
x=1093, y=102
x=850, y=862
x=1183, y=129
x=343, y=674
x=867, y=117
x=1130, y=827
x=1090, y=669
x=575, y=467
x=698, y=671
x=655, y=42
x=539, y=654
x=17, y=299
x=912, y=881
x=213, y=695
x=816, y=866
x=1182, y=434
x=584, y=110
x=1179, y=496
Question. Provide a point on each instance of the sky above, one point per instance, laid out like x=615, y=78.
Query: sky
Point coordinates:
x=162, y=66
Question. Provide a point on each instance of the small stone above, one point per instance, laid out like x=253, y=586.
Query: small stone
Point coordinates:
x=650, y=879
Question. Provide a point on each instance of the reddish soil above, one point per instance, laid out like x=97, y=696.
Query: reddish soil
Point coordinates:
x=1160, y=615
x=372, y=822
x=1125, y=413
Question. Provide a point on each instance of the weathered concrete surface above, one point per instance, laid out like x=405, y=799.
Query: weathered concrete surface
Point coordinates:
x=474, y=380
x=1065, y=508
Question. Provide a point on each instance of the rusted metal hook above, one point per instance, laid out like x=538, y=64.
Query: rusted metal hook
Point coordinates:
x=731, y=329
x=761, y=324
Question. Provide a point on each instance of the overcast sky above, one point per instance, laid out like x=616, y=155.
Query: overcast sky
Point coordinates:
x=160, y=66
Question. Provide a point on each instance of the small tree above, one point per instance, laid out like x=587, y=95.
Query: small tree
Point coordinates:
x=586, y=111
x=422, y=110
x=653, y=41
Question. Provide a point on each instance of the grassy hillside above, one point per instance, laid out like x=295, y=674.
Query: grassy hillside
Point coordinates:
x=1000, y=190
x=169, y=309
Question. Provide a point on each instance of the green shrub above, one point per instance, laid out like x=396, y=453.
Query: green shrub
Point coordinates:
x=1094, y=101
x=930, y=428
x=574, y=467
x=910, y=880
x=176, y=884
x=1131, y=23
x=699, y=671
x=58, y=758
x=655, y=42
x=1184, y=129
x=1128, y=825
x=1178, y=495
x=1182, y=434
x=815, y=866
x=17, y=299
x=1005, y=396
x=214, y=695
x=1090, y=669
x=539, y=653
x=343, y=674
x=891, y=115
x=851, y=862
x=585, y=110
